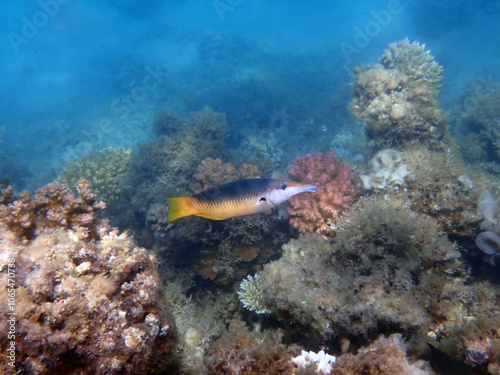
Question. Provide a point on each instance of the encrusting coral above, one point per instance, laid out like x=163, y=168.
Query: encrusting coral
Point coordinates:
x=87, y=299
x=335, y=193
x=103, y=169
x=396, y=98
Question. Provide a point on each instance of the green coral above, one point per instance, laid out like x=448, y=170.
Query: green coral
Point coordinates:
x=104, y=169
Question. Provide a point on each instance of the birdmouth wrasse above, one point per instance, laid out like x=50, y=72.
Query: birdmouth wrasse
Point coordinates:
x=238, y=198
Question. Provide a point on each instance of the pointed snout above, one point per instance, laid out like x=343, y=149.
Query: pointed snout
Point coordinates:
x=301, y=188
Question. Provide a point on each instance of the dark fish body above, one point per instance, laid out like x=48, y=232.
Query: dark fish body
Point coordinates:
x=238, y=198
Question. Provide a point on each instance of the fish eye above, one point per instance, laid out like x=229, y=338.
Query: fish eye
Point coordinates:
x=283, y=186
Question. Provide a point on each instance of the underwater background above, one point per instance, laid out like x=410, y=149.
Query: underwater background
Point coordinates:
x=391, y=108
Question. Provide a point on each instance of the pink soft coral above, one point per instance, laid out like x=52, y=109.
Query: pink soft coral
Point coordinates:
x=335, y=194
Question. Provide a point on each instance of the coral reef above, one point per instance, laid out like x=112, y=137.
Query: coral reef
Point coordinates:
x=252, y=294
x=336, y=192
x=213, y=172
x=165, y=166
x=242, y=352
x=199, y=319
x=320, y=362
x=103, y=169
x=414, y=61
x=388, y=269
x=387, y=169
x=207, y=127
x=396, y=98
x=51, y=207
x=385, y=356
x=167, y=122
x=437, y=184
x=87, y=299
x=350, y=141
x=261, y=147
x=443, y=187
x=489, y=240
x=384, y=266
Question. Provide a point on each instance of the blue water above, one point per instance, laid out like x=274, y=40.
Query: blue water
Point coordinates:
x=73, y=72
x=79, y=76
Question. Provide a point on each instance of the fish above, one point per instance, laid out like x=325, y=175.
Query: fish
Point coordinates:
x=446, y=364
x=237, y=198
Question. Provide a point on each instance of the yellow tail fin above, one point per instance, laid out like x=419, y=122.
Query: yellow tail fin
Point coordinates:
x=179, y=207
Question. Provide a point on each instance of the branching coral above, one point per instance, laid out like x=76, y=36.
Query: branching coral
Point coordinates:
x=396, y=98
x=252, y=294
x=103, y=169
x=86, y=298
x=336, y=192
x=51, y=207
x=414, y=61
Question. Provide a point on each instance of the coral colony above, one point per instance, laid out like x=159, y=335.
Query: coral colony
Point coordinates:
x=336, y=192
x=353, y=279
